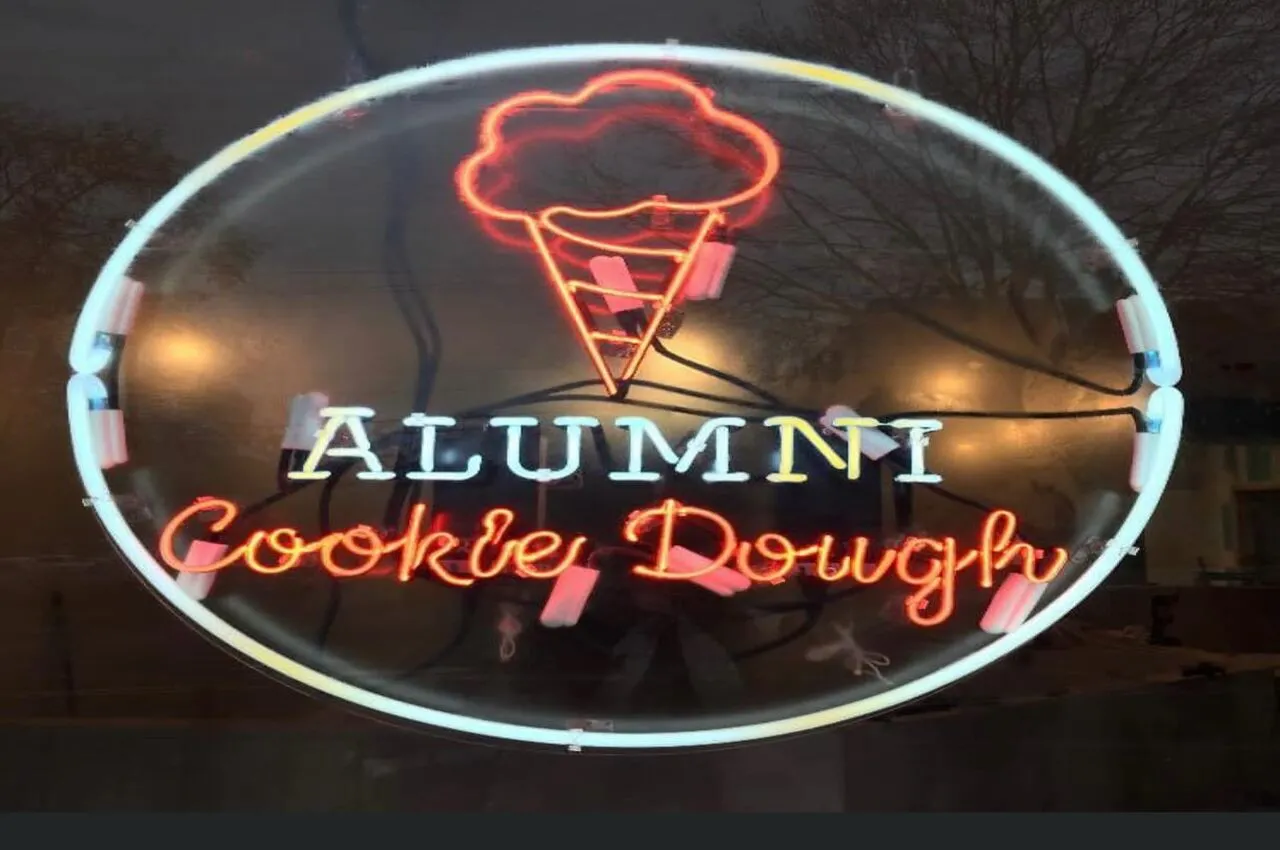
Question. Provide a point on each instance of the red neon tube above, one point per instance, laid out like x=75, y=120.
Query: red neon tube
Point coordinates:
x=550, y=224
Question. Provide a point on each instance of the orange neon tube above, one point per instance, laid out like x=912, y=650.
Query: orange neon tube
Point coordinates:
x=547, y=225
x=560, y=247
x=927, y=565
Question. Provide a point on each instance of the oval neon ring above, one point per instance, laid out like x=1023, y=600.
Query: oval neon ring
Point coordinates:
x=88, y=358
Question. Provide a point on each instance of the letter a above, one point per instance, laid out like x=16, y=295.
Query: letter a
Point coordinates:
x=336, y=417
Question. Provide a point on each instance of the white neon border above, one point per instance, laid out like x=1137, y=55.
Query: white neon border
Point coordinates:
x=86, y=358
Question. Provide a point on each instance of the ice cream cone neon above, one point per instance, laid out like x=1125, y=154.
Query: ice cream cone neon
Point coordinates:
x=558, y=223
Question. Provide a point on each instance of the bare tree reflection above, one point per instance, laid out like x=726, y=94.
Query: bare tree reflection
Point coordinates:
x=68, y=191
x=1162, y=110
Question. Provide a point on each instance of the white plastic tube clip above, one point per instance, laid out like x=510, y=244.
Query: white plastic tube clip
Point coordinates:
x=721, y=581
x=569, y=597
x=612, y=273
x=710, y=268
x=201, y=553
x=106, y=424
x=1013, y=602
x=108, y=438
x=304, y=421
x=873, y=443
x=122, y=310
x=1153, y=341
x=1153, y=450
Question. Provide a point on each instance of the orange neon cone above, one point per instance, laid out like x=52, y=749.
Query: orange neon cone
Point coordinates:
x=692, y=257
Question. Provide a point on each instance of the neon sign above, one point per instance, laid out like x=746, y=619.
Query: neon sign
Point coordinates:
x=713, y=434
x=768, y=558
x=631, y=265
x=702, y=259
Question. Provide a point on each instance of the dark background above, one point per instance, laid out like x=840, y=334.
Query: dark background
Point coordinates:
x=107, y=702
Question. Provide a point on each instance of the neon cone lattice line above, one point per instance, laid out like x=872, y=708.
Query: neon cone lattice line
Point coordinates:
x=542, y=226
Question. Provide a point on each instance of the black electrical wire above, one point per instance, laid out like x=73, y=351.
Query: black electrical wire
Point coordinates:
x=255, y=508
x=1136, y=415
x=398, y=271
x=401, y=281
x=549, y=394
x=397, y=266
x=470, y=608
x=715, y=373
x=940, y=328
x=534, y=397
x=813, y=616
x=814, y=608
x=334, y=602
x=1132, y=412
x=774, y=406
x=538, y=397
x=652, y=405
